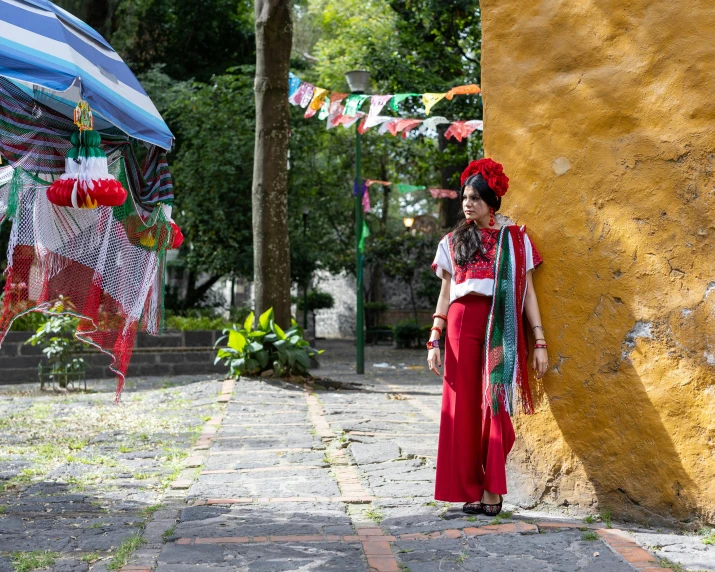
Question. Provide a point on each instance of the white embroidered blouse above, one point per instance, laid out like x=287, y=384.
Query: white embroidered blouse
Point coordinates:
x=477, y=275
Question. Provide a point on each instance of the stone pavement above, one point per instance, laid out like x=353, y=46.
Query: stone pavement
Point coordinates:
x=339, y=476
x=278, y=477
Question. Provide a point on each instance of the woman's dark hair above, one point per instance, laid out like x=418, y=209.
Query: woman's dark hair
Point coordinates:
x=466, y=238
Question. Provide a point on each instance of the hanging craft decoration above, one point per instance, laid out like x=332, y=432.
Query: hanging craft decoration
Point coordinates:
x=354, y=102
x=399, y=98
x=86, y=182
x=443, y=193
x=317, y=102
x=430, y=99
x=347, y=112
x=470, y=89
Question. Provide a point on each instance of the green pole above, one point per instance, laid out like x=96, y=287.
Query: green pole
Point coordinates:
x=360, y=291
x=307, y=280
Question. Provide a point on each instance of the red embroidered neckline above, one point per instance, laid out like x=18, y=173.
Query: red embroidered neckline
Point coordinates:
x=479, y=268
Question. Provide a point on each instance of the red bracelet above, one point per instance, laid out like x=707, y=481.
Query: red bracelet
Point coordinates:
x=442, y=316
x=438, y=329
x=433, y=344
x=537, y=346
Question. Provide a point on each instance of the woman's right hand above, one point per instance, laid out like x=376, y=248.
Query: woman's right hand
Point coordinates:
x=434, y=360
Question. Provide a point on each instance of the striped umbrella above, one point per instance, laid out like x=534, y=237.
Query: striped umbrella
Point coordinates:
x=62, y=59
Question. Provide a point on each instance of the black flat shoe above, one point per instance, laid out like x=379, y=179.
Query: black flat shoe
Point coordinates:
x=472, y=508
x=492, y=509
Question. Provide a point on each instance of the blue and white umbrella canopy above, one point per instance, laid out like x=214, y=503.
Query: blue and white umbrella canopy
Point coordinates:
x=44, y=46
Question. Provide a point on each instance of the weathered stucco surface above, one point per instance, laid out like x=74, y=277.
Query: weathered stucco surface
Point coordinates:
x=603, y=113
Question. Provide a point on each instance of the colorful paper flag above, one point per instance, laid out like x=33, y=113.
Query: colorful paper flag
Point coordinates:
x=430, y=99
x=431, y=123
x=463, y=90
x=409, y=188
x=377, y=102
x=293, y=83
x=443, y=193
x=461, y=129
x=365, y=232
x=365, y=200
x=353, y=103
x=399, y=98
x=317, y=102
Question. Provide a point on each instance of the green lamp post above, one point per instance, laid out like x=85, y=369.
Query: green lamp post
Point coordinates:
x=358, y=82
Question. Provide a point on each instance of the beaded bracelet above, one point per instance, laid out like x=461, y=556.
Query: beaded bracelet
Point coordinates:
x=442, y=316
x=438, y=329
x=433, y=344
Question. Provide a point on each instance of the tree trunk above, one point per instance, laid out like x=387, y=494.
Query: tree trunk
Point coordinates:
x=271, y=254
x=449, y=209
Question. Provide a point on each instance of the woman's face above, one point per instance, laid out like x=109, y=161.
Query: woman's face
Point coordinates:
x=473, y=206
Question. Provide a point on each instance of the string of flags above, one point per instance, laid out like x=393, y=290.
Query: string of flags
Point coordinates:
x=402, y=189
x=344, y=109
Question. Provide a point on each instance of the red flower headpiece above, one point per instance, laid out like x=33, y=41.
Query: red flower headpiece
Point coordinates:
x=492, y=173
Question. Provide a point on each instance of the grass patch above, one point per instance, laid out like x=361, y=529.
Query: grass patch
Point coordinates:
x=124, y=552
x=606, y=517
x=497, y=520
x=91, y=557
x=148, y=511
x=3, y=509
x=589, y=536
x=168, y=533
x=506, y=514
x=471, y=519
x=589, y=519
x=430, y=503
x=461, y=558
x=142, y=476
x=667, y=563
x=30, y=561
x=374, y=514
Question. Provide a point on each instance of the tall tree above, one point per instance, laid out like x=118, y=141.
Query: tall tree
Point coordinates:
x=271, y=251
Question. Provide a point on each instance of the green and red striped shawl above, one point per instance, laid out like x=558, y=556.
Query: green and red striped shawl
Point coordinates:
x=505, y=348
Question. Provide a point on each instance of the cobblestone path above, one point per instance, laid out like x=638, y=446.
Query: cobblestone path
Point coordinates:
x=261, y=475
x=334, y=478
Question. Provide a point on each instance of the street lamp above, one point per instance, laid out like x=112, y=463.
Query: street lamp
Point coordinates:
x=306, y=211
x=358, y=82
x=408, y=222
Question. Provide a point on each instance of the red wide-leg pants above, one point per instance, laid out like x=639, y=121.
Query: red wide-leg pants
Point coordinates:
x=472, y=451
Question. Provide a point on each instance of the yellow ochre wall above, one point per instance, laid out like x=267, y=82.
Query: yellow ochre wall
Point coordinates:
x=603, y=114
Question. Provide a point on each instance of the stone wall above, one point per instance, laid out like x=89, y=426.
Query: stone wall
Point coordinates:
x=602, y=112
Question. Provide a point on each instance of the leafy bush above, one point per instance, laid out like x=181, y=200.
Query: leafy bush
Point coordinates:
x=408, y=334
x=197, y=319
x=190, y=324
x=29, y=322
x=58, y=342
x=257, y=347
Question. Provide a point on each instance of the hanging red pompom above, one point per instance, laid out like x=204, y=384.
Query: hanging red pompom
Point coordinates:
x=86, y=182
x=177, y=236
x=492, y=173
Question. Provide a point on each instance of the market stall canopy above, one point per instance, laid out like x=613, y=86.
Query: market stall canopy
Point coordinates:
x=62, y=59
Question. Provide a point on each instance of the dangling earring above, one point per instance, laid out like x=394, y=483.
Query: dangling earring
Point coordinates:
x=491, y=216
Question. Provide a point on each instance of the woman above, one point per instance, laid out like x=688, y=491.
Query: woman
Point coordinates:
x=486, y=293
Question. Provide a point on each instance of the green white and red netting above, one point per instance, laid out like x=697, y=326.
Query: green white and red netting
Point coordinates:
x=104, y=265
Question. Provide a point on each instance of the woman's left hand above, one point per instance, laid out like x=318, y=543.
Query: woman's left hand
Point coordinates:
x=540, y=362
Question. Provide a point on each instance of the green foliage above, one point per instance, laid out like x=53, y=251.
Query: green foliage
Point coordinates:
x=317, y=300
x=606, y=517
x=258, y=346
x=124, y=552
x=589, y=519
x=60, y=347
x=29, y=322
x=212, y=167
x=31, y=561
x=590, y=536
x=190, y=324
x=408, y=334
x=194, y=39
